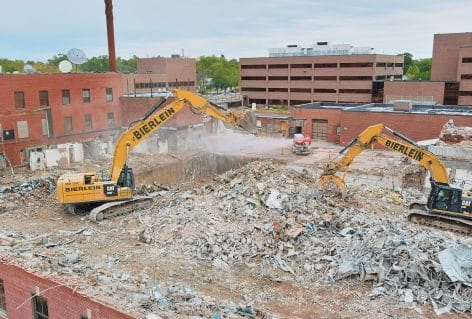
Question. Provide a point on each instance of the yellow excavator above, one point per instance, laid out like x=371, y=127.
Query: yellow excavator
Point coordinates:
x=446, y=207
x=106, y=198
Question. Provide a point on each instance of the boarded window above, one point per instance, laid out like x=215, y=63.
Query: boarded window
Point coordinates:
x=40, y=308
x=19, y=99
x=44, y=126
x=68, y=124
x=111, y=119
x=86, y=95
x=109, y=92
x=43, y=98
x=22, y=129
x=3, y=303
x=65, y=97
x=87, y=122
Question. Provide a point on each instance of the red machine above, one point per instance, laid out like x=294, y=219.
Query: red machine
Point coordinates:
x=301, y=144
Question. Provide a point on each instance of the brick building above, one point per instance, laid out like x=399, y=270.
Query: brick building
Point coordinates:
x=42, y=109
x=451, y=74
x=285, y=79
x=341, y=123
x=26, y=294
x=157, y=75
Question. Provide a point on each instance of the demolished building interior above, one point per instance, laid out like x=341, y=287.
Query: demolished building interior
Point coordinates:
x=243, y=231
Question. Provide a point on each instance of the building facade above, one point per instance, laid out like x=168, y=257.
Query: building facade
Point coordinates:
x=159, y=75
x=451, y=75
x=24, y=294
x=42, y=109
x=303, y=79
x=341, y=123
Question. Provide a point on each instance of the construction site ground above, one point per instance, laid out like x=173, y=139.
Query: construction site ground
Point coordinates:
x=116, y=260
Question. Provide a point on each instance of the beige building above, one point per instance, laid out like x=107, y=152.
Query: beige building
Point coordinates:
x=159, y=75
x=292, y=80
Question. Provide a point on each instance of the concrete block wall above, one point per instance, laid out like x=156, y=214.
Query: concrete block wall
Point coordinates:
x=333, y=116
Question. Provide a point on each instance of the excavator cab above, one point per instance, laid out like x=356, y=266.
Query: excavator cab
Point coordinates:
x=126, y=178
x=444, y=198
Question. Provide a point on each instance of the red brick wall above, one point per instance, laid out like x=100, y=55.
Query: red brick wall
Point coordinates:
x=408, y=89
x=332, y=115
x=415, y=126
x=446, y=55
x=63, y=302
x=31, y=84
x=133, y=108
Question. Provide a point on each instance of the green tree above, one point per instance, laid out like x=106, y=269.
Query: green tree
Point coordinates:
x=407, y=61
x=55, y=60
x=217, y=73
x=97, y=64
x=413, y=72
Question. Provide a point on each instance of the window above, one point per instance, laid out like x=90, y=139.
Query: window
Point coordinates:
x=325, y=78
x=466, y=76
x=465, y=93
x=278, y=90
x=255, y=66
x=87, y=122
x=300, y=90
x=466, y=60
x=65, y=97
x=325, y=65
x=357, y=65
x=43, y=98
x=19, y=99
x=86, y=95
x=111, y=119
x=278, y=66
x=40, y=308
x=398, y=65
x=253, y=89
x=355, y=78
x=300, y=66
x=278, y=78
x=250, y=78
x=3, y=303
x=68, y=124
x=324, y=90
x=363, y=91
x=300, y=78
x=22, y=127
x=109, y=92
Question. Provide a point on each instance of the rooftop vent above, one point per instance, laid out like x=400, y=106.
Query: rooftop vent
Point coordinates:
x=402, y=105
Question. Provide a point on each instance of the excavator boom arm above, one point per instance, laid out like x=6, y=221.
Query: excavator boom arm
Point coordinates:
x=141, y=129
x=402, y=145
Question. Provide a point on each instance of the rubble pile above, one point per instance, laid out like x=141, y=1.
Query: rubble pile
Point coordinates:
x=268, y=216
x=452, y=134
x=20, y=190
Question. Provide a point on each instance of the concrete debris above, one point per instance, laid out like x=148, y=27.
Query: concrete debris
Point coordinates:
x=457, y=264
x=452, y=134
x=268, y=218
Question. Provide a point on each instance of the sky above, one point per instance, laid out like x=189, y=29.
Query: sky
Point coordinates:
x=40, y=29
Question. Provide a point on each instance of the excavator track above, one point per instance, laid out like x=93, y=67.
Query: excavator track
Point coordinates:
x=444, y=222
x=118, y=208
